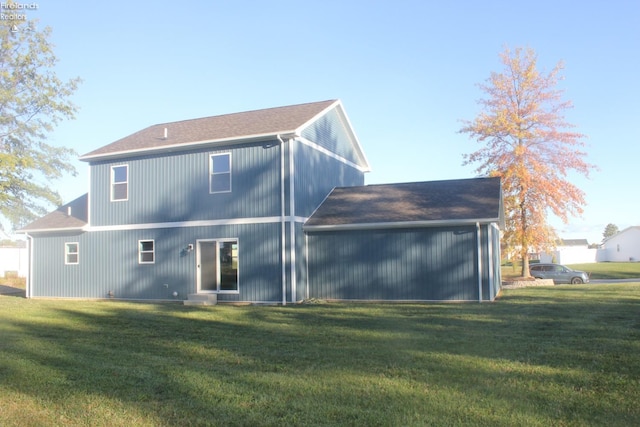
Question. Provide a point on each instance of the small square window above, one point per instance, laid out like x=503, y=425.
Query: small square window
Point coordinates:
x=71, y=253
x=119, y=183
x=220, y=173
x=146, y=252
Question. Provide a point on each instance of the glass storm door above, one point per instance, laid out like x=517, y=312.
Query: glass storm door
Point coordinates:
x=217, y=263
x=207, y=266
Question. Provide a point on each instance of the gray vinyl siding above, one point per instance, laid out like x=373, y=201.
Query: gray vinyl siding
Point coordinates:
x=301, y=264
x=172, y=187
x=427, y=264
x=109, y=262
x=331, y=132
x=175, y=187
x=316, y=174
x=493, y=277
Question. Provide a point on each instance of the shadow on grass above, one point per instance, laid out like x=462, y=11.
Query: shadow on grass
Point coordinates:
x=534, y=357
x=12, y=291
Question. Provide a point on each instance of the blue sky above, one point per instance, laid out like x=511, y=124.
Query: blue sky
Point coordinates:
x=406, y=72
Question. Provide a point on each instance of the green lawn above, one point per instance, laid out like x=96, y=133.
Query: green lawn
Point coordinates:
x=610, y=270
x=560, y=356
x=16, y=282
x=599, y=270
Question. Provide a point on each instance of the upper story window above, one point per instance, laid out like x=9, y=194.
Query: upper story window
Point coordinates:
x=119, y=183
x=71, y=253
x=220, y=173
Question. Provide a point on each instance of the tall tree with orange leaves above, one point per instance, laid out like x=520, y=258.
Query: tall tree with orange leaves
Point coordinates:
x=527, y=142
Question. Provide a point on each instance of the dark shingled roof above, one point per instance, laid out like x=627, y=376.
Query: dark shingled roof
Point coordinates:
x=573, y=242
x=237, y=126
x=59, y=219
x=410, y=204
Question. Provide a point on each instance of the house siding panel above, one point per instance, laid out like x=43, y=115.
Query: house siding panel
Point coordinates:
x=330, y=132
x=316, y=174
x=414, y=264
x=275, y=186
x=496, y=259
x=175, y=187
x=301, y=264
x=622, y=247
x=490, y=250
x=109, y=262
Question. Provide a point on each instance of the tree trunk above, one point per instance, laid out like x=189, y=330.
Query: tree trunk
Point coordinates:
x=524, y=241
x=525, y=264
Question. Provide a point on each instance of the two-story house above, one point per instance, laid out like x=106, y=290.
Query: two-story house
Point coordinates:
x=216, y=206
x=206, y=205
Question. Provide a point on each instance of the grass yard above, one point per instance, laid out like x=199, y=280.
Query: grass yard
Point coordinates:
x=610, y=270
x=597, y=270
x=15, y=282
x=560, y=356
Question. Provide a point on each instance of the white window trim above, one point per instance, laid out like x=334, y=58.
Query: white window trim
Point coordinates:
x=211, y=174
x=112, y=183
x=67, y=253
x=140, y=251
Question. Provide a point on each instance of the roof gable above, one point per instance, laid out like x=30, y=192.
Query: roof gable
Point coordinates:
x=240, y=127
x=573, y=242
x=333, y=131
x=413, y=204
x=72, y=216
x=627, y=231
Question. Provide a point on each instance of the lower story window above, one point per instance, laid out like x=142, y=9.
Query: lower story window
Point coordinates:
x=146, y=252
x=71, y=253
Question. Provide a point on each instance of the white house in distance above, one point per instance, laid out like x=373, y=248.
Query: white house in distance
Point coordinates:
x=570, y=251
x=13, y=256
x=624, y=246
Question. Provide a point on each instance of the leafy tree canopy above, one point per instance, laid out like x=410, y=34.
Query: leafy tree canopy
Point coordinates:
x=527, y=142
x=610, y=230
x=33, y=100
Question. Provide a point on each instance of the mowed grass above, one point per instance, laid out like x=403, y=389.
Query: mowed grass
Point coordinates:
x=560, y=356
x=596, y=270
x=610, y=270
x=14, y=282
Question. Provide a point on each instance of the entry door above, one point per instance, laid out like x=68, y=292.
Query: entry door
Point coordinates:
x=217, y=264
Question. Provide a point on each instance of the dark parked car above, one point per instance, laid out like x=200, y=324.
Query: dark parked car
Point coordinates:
x=559, y=273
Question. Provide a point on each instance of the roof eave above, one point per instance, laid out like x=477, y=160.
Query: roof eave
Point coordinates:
x=398, y=224
x=51, y=230
x=186, y=146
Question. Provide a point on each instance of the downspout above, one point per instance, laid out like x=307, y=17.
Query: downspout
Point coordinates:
x=479, y=262
x=89, y=198
x=30, y=266
x=496, y=230
x=292, y=228
x=306, y=256
x=282, y=223
x=492, y=281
